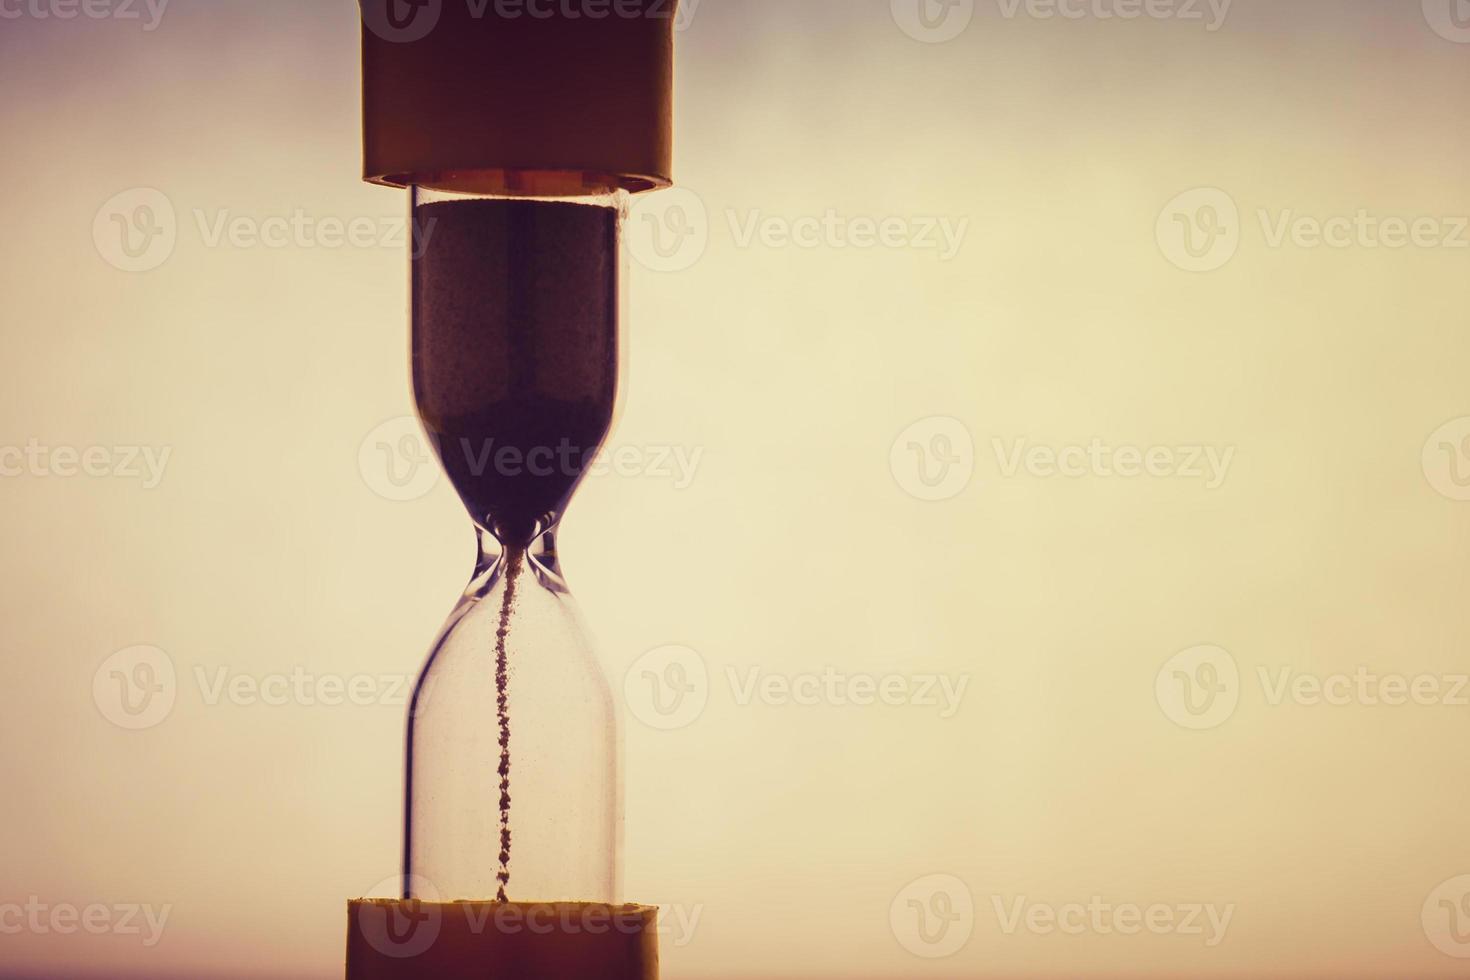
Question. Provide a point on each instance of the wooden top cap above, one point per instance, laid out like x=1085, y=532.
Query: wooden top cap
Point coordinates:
x=521, y=96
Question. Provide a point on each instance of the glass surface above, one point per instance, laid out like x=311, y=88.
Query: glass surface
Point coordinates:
x=513, y=787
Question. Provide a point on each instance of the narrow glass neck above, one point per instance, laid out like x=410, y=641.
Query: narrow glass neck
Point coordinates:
x=539, y=558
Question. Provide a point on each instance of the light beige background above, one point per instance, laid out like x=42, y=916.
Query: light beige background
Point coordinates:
x=791, y=831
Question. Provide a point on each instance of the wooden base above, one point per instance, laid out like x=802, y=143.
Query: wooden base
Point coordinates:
x=399, y=940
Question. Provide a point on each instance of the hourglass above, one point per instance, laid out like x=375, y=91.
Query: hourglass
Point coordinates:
x=515, y=373
x=520, y=140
